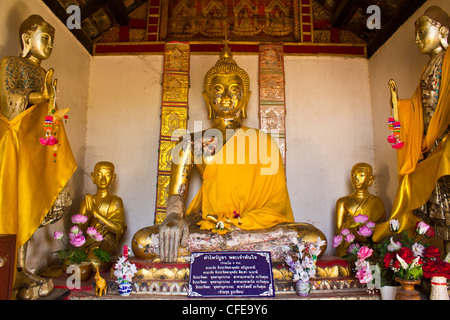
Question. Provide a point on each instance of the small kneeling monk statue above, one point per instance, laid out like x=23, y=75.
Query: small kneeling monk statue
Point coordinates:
x=360, y=202
x=243, y=203
x=105, y=213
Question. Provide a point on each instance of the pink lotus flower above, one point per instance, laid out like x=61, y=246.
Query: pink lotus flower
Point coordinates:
x=78, y=241
x=91, y=231
x=57, y=235
x=350, y=238
x=345, y=232
x=75, y=230
x=98, y=237
x=360, y=218
x=79, y=219
x=337, y=241
x=353, y=248
x=370, y=224
x=365, y=231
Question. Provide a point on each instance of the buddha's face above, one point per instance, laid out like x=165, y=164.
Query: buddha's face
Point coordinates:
x=103, y=176
x=361, y=177
x=226, y=95
x=428, y=37
x=41, y=43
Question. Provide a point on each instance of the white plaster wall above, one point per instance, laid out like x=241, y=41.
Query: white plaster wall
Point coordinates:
x=328, y=128
x=71, y=63
x=328, y=131
x=397, y=59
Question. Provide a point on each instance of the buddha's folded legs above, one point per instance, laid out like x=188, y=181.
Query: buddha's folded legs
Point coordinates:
x=276, y=240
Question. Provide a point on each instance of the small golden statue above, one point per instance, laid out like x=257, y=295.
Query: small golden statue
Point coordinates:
x=360, y=202
x=423, y=121
x=100, y=284
x=26, y=92
x=243, y=194
x=105, y=213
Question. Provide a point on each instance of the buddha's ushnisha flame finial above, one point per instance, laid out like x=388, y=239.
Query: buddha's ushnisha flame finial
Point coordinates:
x=226, y=52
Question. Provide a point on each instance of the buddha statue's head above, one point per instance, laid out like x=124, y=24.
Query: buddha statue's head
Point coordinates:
x=362, y=176
x=432, y=30
x=227, y=88
x=36, y=38
x=103, y=176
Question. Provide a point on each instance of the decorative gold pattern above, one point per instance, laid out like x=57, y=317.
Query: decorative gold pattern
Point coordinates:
x=174, y=115
x=271, y=94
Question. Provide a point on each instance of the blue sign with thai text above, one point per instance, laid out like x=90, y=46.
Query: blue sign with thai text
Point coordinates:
x=231, y=274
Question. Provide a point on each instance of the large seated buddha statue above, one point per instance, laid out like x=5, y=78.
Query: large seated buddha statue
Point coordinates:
x=243, y=203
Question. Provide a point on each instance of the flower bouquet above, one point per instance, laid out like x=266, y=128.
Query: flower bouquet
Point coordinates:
x=124, y=272
x=350, y=239
x=77, y=248
x=406, y=257
x=301, y=260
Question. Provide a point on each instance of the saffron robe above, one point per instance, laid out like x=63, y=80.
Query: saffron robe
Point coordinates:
x=247, y=176
x=30, y=179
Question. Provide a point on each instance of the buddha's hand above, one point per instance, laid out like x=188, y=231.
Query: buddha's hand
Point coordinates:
x=394, y=93
x=49, y=88
x=172, y=231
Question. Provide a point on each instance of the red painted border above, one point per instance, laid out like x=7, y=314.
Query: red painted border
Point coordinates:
x=143, y=48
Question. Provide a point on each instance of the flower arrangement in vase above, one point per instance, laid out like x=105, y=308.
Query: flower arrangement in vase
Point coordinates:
x=404, y=258
x=301, y=259
x=124, y=272
x=77, y=248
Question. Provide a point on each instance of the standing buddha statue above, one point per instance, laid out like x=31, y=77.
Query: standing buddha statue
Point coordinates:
x=243, y=202
x=423, y=162
x=33, y=182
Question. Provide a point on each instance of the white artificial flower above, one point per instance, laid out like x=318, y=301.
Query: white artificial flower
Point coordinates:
x=418, y=249
x=422, y=228
x=320, y=242
x=415, y=262
x=304, y=276
x=394, y=246
x=307, y=263
x=402, y=262
x=394, y=225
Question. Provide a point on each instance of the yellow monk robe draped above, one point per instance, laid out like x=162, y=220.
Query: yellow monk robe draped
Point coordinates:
x=30, y=180
x=418, y=179
x=249, y=180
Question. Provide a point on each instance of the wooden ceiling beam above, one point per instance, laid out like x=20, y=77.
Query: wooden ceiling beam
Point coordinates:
x=119, y=11
x=344, y=10
x=91, y=8
x=407, y=10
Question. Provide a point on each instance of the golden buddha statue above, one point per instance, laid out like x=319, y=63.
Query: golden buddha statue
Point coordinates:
x=360, y=202
x=423, y=162
x=105, y=213
x=243, y=202
x=26, y=91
